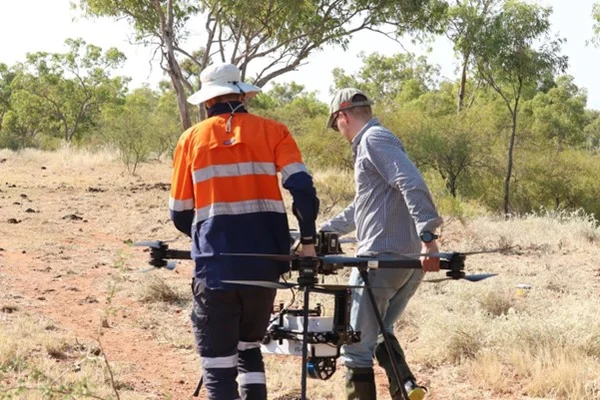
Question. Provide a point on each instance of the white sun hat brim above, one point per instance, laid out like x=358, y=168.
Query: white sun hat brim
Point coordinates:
x=211, y=90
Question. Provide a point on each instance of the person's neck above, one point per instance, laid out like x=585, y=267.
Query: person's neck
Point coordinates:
x=226, y=107
x=355, y=129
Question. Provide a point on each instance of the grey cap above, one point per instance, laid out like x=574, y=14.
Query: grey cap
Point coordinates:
x=343, y=100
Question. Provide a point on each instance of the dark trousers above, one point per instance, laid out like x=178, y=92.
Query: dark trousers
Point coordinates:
x=228, y=328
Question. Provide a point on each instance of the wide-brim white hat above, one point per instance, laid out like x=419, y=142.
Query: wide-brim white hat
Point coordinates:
x=221, y=79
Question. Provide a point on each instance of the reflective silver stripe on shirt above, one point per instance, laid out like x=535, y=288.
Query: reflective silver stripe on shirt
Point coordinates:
x=220, y=362
x=252, y=378
x=292, y=169
x=239, y=207
x=181, y=205
x=243, y=346
x=230, y=170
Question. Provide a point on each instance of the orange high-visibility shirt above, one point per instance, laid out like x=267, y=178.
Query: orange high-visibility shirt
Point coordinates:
x=225, y=194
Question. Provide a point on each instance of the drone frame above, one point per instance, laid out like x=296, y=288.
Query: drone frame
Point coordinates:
x=309, y=269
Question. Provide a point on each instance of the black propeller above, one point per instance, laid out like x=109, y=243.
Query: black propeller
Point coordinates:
x=470, y=278
x=287, y=285
x=450, y=255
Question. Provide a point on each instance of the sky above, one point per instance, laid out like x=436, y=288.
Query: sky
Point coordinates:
x=43, y=25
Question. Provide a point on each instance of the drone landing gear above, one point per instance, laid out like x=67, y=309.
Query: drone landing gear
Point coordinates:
x=315, y=363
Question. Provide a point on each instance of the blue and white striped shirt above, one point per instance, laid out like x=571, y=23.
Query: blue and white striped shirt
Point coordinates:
x=392, y=205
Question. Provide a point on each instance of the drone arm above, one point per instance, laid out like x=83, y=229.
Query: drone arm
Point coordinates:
x=178, y=255
x=400, y=264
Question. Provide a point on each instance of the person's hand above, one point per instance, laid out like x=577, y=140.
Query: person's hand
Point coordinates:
x=430, y=264
x=307, y=250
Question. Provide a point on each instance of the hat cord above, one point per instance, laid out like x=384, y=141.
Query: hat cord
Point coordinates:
x=233, y=110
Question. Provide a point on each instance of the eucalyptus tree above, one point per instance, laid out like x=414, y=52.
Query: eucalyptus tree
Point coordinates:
x=596, y=16
x=515, y=53
x=463, y=24
x=68, y=87
x=265, y=39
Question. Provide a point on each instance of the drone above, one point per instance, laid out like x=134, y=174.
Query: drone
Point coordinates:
x=305, y=331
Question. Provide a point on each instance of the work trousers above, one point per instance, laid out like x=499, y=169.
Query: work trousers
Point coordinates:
x=228, y=328
x=400, y=285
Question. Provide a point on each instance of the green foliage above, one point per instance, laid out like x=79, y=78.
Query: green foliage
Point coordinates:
x=290, y=104
x=277, y=35
x=142, y=126
x=401, y=76
x=143, y=15
x=560, y=181
x=60, y=94
x=6, y=77
x=514, y=53
x=435, y=103
x=504, y=48
x=592, y=132
x=596, y=16
x=559, y=114
x=306, y=117
x=451, y=146
x=506, y=56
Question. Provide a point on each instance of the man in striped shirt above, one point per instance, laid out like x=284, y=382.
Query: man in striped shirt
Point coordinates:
x=393, y=214
x=225, y=195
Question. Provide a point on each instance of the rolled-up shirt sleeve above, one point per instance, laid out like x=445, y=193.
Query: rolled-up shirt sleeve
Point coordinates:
x=386, y=154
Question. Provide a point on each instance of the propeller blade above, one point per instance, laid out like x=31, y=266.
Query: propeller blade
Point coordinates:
x=154, y=244
x=266, y=284
x=274, y=257
x=342, y=287
x=449, y=255
x=437, y=280
x=498, y=250
x=478, y=277
x=145, y=271
x=470, y=278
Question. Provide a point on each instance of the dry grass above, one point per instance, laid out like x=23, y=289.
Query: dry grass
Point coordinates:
x=38, y=361
x=156, y=289
x=486, y=340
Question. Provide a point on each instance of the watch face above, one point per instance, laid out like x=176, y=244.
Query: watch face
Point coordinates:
x=427, y=237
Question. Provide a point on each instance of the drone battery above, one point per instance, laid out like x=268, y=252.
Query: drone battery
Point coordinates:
x=294, y=347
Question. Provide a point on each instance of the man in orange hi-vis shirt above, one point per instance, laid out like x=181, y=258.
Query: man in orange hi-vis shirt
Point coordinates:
x=225, y=195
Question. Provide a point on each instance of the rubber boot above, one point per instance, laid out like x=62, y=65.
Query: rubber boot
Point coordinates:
x=414, y=391
x=360, y=384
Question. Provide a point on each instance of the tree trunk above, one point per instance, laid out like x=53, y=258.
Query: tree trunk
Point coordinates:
x=509, y=166
x=173, y=68
x=181, y=97
x=463, y=83
x=66, y=128
x=451, y=185
x=202, y=112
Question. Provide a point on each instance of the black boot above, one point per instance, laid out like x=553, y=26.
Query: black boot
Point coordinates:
x=360, y=384
x=384, y=360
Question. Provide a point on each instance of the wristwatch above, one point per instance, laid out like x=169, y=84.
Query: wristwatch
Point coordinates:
x=308, y=240
x=428, y=237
